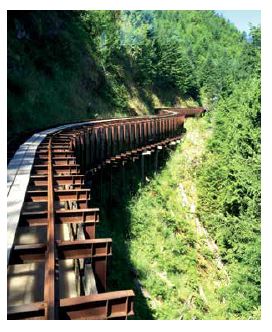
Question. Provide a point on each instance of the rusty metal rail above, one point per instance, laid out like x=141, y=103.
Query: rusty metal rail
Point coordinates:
x=50, y=258
x=57, y=224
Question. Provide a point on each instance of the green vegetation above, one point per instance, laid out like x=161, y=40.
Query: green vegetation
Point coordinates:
x=174, y=263
x=56, y=69
x=67, y=66
x=229, y=187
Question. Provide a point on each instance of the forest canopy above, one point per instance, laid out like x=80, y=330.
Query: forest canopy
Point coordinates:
x=71, y=65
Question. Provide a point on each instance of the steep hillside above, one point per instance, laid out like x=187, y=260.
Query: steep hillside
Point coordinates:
x=66, y=66
x=55, y=74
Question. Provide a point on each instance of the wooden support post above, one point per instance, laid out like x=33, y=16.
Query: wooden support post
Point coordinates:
x=156, y=160
x=101, y=186
x=82, y=154
x=92, y=147
x=125, y=133
x=123, y=177
x=146, y=153
x=87, y=150
x=102, y=144
x=134, y=174
x=121, y=139
x=98, y=144
x=144, y=133
x=118, y=139
x=132, y=136
x=159, y=148
x=100, y=271
x=113, y=140
x=110, y=188
x=142, y=168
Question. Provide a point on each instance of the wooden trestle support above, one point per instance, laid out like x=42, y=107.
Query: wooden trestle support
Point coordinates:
x=58, y=201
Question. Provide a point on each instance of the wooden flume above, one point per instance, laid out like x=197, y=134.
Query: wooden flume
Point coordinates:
x=58, y=197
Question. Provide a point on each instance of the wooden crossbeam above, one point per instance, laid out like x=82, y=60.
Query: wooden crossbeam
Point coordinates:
x=59, y=195
x=91, y=248
x=27, y=311
x=57, y=169
x=62, y=161
x=59, y=180
x=25, y=253
x=76, y=216
x=111, y=305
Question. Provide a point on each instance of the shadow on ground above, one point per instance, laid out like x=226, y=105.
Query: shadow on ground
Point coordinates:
x=116, y=222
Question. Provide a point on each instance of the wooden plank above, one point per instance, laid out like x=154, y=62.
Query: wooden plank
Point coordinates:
x=76, y=216
x=84, y=248
x=91, y=248
x=59, y=195
x=26, y=253
x=27, y=311
x=111, y=305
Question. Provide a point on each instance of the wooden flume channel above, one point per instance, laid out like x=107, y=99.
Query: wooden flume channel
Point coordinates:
x=58, y=199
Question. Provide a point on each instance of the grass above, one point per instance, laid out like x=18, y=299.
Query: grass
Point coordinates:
x=157, y=247
x=175, y=265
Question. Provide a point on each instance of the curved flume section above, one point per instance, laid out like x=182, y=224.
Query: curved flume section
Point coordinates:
x=57, y=268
